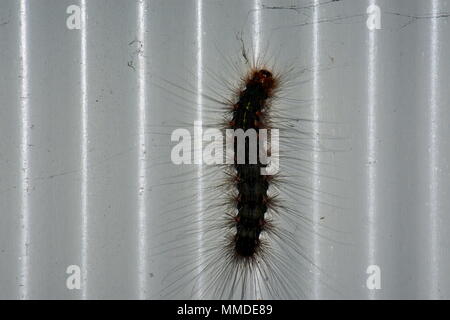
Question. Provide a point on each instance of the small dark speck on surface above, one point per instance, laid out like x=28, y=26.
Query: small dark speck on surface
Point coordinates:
x=131, y=65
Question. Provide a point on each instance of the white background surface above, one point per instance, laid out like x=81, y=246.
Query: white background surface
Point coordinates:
x=83, y=164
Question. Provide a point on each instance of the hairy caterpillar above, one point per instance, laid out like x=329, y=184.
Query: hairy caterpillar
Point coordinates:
x=202, y=205
x=237, y=240
x=251, y=200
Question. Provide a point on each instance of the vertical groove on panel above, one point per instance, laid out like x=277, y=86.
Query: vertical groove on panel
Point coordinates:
x=316, y=153
x=84, y=153
x=142, y=165
x=434, y=153
x=257, y=9
x=198, y=144
x=372, y=64
x=24, y=154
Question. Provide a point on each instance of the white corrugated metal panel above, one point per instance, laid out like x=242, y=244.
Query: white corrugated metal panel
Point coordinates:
x=91, y=89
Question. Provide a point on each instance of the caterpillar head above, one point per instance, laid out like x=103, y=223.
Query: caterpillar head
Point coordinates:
x=265, y=79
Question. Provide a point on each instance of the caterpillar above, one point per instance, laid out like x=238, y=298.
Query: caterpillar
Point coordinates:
x=237, y=240
x=252, y=199
x=227, y=231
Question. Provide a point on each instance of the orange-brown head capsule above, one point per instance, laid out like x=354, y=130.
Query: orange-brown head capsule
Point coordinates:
x=264, y=78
